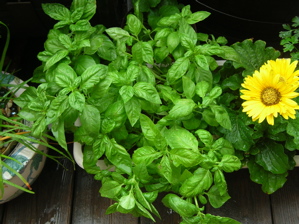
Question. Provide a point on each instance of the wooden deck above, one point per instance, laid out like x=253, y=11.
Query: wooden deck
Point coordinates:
x=65, y=196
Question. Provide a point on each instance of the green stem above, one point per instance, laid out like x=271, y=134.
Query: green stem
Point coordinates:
x=5, y=47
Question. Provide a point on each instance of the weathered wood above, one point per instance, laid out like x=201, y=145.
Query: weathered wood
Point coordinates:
x=285, y=202
x=248, y=203
x=89, y=207
x=51, y=202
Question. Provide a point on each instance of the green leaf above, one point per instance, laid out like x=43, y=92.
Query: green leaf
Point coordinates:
x=202, y=88
x=126, y=93
x=118, y=156
x=147, y=91
x=165, y=169
x=184, y=157
x=230, y=163
x=182, y=108
x=116, y=112
x=220, y=182
x=56, y=11
x=270, y=182
x=91, y=76
x=221, y=116
x=145, y=155
x=143, y=52
x=177, y=70
x=151, y=132
x=127, y=202
x=188, y=87
x=169, y=20
x=77, y=100
x=65, y=75
x=105, y=47
x=134, y=24
x=202, y=62
x=201, y=180
x=110, y=189
x=293, y=128
x=272, y=157
x=91, y=119
x=215, y=198
x=197, y=17
x=205, y=136
x=117, y=33
x=56, y=57
x=173, y=40
x=179, y=205
x=252, y=55
x=133, y=110
x=181, y=138
x=89, y=8
x=240, y=135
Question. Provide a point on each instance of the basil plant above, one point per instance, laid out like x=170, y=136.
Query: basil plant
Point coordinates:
x=154, y=104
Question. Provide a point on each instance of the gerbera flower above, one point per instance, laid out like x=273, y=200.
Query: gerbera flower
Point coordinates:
x=269, y=91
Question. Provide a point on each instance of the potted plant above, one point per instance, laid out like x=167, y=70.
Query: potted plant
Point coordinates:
x=154, y=104
x=22, y=157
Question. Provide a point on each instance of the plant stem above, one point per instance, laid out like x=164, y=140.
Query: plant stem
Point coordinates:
x=5, y=47
x=19, y=133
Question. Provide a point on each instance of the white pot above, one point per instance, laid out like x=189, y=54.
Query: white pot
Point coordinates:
x=30, y=163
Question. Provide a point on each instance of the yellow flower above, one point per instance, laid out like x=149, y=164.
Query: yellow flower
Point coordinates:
x=269, y=91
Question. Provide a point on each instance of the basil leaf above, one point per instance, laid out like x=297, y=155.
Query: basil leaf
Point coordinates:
x=177, y=70
x=65, y=75
x=56, y=11
x=201, y=180
x=145, y=155
x=134, y=24
x=110, y=189
x=151, y=132
x=77, y=100
x=91, y=119
x=182, y=108
x=179, y=205
x=181, y=138
x=184, y=157
x=133, y=110
x=91, y=76
x=143, y=52
x=147, y=91
x=215, y=198
x=230, y=163
x=118, y=156
x=117, y=33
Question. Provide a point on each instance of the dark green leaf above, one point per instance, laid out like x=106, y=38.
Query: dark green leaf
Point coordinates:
x=272, y=157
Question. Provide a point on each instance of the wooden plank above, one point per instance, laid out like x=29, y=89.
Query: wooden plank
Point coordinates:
x=285, y=201
x=89, y=207
x=51, y=202
x=248, y=203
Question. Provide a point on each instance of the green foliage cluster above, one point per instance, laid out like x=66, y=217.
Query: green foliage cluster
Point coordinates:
x=290, y=38
x=155, y=105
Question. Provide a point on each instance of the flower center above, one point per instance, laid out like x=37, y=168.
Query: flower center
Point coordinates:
x=270, y=96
